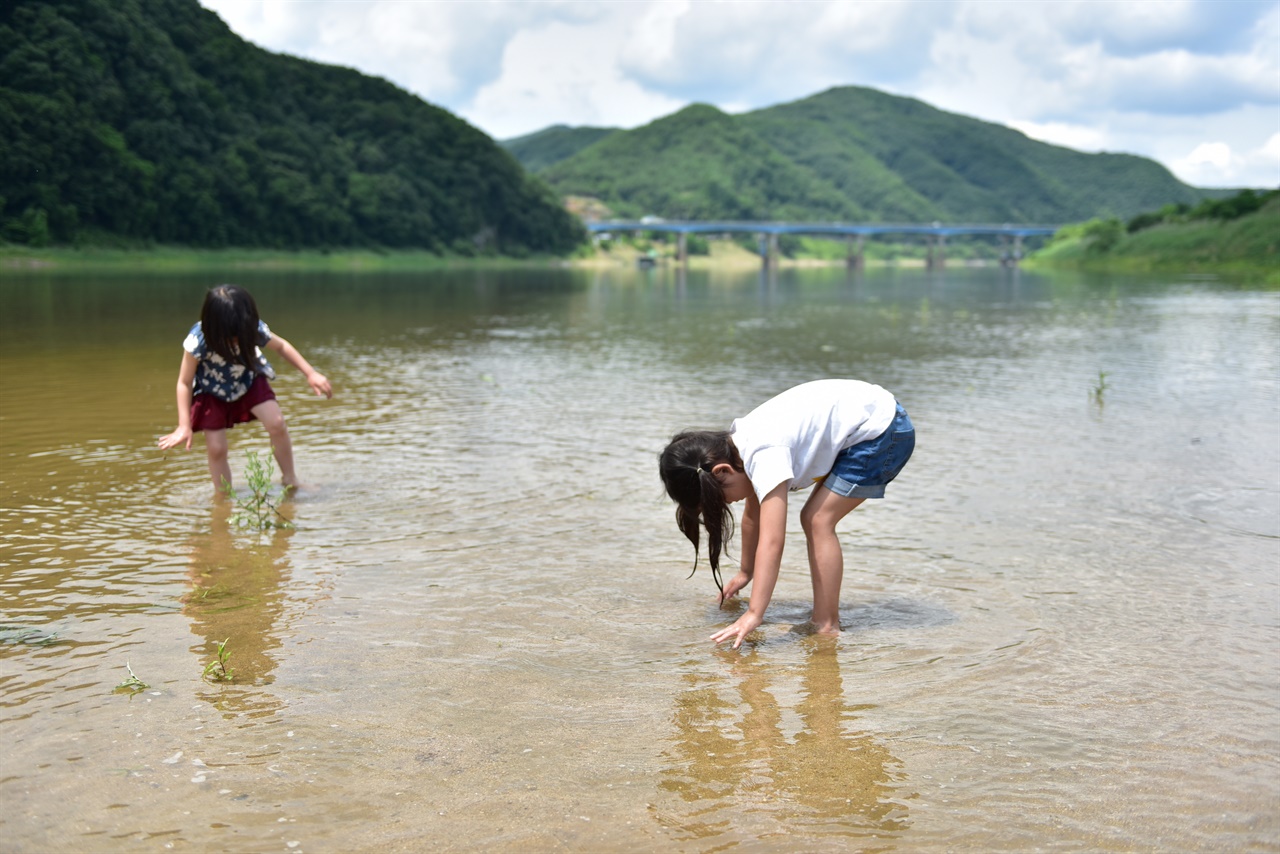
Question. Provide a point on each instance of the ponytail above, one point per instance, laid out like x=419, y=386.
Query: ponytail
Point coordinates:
x=685, y=466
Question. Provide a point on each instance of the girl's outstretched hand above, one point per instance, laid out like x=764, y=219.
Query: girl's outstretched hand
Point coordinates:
x=180, y=436
x=745, y=625
x=735, y=584
x=319, y=384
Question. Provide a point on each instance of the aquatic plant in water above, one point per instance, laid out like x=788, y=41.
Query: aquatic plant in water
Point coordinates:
x=27, y=635
x=1100, y=388
x=133, y=683
x=257, y=509
x=218, y=669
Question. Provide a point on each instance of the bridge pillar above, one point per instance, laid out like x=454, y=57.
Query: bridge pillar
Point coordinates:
x=937, y=258
x=768, y=244
x=854, y=260
x=1017, y=249
x=682, y=247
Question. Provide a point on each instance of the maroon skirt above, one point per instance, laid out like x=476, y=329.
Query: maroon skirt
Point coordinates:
x=213, y=413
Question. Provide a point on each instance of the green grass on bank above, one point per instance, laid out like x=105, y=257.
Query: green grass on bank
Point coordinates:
x=1248, y=247
x=15, y=259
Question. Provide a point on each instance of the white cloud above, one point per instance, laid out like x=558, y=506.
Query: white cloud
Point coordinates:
x=445, y=50
x=1214, y=163
x=1079, y=137
x=569, y=79
x=765, y=51
x=1153, y=77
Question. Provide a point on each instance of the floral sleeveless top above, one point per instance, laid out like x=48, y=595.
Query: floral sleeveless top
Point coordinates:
x=215, y=376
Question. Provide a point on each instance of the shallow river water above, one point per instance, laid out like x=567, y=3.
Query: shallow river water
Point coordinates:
x=1062, y=626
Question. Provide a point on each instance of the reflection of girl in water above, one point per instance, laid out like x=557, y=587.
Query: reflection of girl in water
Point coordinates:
x=739, y=774
x=852, y=437
x=238, y=595
x=223, y=382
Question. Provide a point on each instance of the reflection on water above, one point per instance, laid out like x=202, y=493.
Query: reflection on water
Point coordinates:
x=1060, y=627
x=744, y=763
x=237, y=582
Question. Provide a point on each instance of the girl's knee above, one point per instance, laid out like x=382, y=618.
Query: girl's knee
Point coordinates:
x=811, y=521
x=271, y=416
x=215, y=446
x=275, y=424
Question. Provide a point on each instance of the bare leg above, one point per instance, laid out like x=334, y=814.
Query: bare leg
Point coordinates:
x=268, y=412
x=821, y=513
x=215, y=445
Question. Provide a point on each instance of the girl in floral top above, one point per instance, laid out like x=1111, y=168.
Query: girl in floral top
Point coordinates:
x=221, y=383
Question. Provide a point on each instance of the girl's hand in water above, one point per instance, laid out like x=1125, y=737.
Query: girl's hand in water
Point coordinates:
x=735, y=584
x=180, y=436
x=745, y=625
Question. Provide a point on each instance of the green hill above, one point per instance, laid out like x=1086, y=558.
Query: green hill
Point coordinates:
x=547, y=147
x=698, y=163
x=149, y=121
x=853, y=153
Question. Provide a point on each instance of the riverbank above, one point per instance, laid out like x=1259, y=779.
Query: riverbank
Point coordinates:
x=1247, y=248
x=721, y=254
x=169, y=259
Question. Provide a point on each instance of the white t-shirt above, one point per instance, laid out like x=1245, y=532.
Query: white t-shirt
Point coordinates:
x=796, y=436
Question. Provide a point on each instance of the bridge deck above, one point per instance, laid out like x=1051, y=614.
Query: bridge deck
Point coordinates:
x=818, y=228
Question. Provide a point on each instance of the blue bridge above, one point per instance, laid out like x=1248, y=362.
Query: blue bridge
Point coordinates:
x=856, y=233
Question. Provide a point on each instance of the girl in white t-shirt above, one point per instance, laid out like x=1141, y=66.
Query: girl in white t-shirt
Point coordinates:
x=852, y=437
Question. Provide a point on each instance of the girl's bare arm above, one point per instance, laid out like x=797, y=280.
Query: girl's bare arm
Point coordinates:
x=770, y=538
x=749, y=532
x=182, y=435
x=318, y=382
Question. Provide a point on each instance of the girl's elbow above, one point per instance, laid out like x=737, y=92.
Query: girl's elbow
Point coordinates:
x=771, y=544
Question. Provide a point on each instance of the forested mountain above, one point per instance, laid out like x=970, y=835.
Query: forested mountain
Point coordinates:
x=548, y=146
x=150, y=121
x=849, y=153
x=698, y=163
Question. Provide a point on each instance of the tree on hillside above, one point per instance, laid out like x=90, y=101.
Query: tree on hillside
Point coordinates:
x=150, y=121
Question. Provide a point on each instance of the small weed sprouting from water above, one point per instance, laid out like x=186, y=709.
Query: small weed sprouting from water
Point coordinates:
x=218, y=670
x=258, y=509
x=27, y=635
x=1100, y=388
x=133, y=684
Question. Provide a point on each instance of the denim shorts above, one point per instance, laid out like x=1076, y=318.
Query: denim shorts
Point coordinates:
x=863, y=470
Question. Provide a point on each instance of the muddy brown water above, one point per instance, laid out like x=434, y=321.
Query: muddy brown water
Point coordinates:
x=1061, y=626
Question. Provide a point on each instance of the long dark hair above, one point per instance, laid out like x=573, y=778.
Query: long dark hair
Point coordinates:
x=685, y=466
x=229, y=320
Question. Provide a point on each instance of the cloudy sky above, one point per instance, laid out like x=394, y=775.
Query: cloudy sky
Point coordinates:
x=1194, y=84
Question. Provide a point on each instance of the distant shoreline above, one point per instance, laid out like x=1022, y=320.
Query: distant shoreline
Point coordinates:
x=20, y=260
x=179, y=260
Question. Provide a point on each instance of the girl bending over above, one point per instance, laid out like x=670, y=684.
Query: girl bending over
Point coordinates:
x=849, y=436
x=223, y=381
